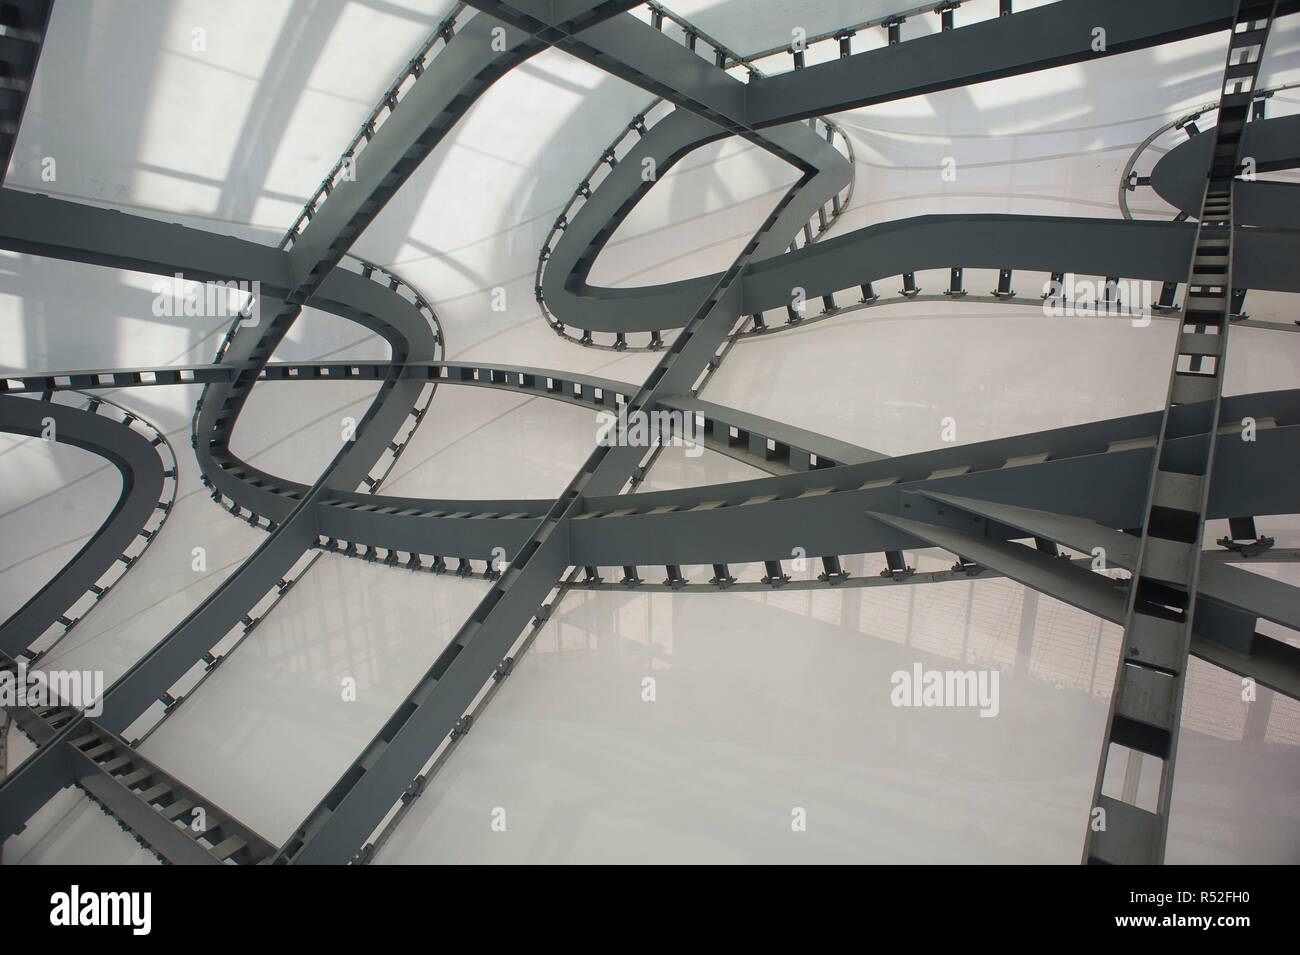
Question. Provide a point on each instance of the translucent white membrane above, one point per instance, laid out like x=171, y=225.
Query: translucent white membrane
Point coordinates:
x=293, y=429
x=487, y=444
x=886, y=377
x=321, y=336
x=749, y=28
x=69, y=829
x=1281, y=54
x=64, y=316
x=765, y=704
x=1261, y=359
x=1236, y=776
x=232, y=116
x=683, y=466
x=1054, y=146
x=696, y=218
x=270, y=731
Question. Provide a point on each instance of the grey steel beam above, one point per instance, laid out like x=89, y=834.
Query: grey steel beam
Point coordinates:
x=1117, y=548
x=587, y=391
x=22, y=36
x=473, y=528
x=39, y=724
x=1088, y=471
x=1141, y=250
x=155, y=806
x=550, y=19
x=1053, y=35
x=1260, y=596
x=1268, y=661
x=972, y=571
x=1241, y=590
x=58, y=228
x=141, y=469
x=1253, y=596
x=1163, y=608
x=1147, y=250
x=754, y=520
x=799, y=443
x=1061, y=579
x=27, y=382
x=1272, y=144
x=178, y=823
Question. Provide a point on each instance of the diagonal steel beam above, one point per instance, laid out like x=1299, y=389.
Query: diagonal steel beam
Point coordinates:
x=336, y=829
x=22, y=36
x=1163, y=607
x=1061, y=579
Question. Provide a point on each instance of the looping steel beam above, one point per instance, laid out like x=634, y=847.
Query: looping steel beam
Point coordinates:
x=148, y=487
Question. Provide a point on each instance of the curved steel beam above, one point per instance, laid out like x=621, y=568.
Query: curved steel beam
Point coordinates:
x=1272, y=143
x=564, y=285
x=143, y=494
x=737, y=434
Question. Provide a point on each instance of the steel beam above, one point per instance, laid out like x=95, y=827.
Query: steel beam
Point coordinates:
x=1162, y=610
x=141, y=470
